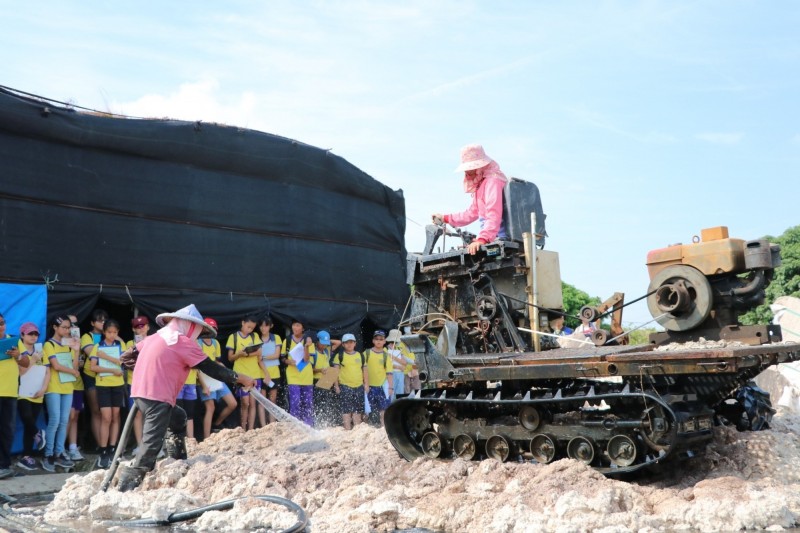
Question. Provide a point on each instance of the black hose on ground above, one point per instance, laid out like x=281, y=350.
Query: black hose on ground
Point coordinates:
x=300, y=525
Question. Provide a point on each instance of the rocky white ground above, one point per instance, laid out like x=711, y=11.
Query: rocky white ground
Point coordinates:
x=356, y=482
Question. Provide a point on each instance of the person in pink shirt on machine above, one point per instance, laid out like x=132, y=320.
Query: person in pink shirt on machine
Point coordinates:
x=484, y=180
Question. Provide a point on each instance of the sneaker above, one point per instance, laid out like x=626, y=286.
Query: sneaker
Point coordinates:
x=63, y=461
x=28, y=463
x=6, y=472
x=104, y=461
x=39, y=440
x=48, y=464
x=75, y=455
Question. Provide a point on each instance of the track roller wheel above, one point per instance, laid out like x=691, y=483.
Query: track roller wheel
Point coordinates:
x=529, y=417
x=464, y=447
x=621, y=450
x=498, y=447
x=543, y=448
x=431, y=444
x=581, y=449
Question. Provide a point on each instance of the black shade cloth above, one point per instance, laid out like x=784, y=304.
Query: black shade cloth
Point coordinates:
x=163, y=213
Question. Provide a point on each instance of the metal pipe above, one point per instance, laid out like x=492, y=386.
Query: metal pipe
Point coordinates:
x=123, y=442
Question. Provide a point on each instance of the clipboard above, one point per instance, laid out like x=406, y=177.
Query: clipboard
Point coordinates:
x=111, y=351
x=65, y=359
x=252, y=348
x=7, y=344
x=327, y=379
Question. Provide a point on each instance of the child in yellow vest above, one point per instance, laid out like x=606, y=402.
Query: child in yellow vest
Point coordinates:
x=110, y=385
x=247, y=364
x=379, y=365
x=353, y=381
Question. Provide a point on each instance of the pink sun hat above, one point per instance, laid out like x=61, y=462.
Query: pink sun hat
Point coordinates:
x=473, y=157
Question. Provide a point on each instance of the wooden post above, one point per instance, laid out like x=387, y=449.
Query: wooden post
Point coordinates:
x=532, y=289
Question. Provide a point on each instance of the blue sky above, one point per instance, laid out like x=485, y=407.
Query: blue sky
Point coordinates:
x=641, y=122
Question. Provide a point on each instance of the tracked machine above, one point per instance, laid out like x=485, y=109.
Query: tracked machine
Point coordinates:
x=496, y=383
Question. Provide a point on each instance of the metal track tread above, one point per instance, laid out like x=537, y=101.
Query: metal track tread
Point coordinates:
x=616, y=431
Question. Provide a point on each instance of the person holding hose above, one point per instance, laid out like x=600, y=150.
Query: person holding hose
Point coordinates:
x=161, y=364
x=484, y=180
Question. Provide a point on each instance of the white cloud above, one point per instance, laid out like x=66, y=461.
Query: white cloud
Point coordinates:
x=720, y=138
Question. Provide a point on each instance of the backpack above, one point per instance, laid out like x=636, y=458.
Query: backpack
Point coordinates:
x=385, y=356
x=252, y=338
x=340, y=353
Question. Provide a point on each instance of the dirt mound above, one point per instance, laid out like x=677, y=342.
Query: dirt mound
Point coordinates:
x=356, y=482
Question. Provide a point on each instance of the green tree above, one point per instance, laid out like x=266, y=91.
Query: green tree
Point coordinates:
x=786, y=278
x=574, y=299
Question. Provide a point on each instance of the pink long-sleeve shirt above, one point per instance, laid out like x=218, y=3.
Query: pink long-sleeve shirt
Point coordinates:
x=487, y=205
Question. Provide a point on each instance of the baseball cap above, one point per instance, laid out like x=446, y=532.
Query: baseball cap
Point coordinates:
x=28, y=327
x=379, y=333
x=140, y=321
x=348, y=337
x=394, y=336
x=324, y=338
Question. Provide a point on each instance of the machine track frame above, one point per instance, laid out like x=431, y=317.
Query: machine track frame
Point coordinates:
x=618, y=409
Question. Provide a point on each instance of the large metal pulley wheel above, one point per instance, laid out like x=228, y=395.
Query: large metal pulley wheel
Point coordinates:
x=486, y=307
x=684, y=293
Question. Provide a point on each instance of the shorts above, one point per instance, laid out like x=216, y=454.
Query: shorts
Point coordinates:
x=77, y=400
x=111, y=396
x=351, y=399
x=89, y=382
x=377, y=399
x=215, y=394
x=188, y=392
x=241, y=393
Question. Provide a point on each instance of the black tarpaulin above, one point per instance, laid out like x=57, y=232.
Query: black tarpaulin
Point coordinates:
x=162, y=213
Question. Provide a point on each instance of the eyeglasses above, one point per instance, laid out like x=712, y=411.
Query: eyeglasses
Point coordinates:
x=34, y=333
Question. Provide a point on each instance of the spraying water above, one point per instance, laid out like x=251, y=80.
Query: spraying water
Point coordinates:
x=281, y=415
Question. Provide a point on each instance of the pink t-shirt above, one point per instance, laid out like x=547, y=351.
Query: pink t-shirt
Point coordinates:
x=162, y=370
x=487, y=204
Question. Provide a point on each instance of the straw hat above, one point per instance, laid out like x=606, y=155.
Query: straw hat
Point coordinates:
x=473, y=157
x=189, y=313
x=394, y=336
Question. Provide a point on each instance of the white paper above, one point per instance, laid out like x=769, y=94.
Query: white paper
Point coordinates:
x=31, y=381
x=297, y=353
x=212, y=384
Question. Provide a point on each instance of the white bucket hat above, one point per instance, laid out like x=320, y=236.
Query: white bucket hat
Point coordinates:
x=473, y=157
x=394, y=336
x=189, y=313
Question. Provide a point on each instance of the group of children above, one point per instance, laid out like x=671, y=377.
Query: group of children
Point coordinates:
x=325, y=381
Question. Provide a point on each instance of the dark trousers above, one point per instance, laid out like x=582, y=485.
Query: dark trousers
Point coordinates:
x=29, y=414
x=8, y=426
x=157, y=418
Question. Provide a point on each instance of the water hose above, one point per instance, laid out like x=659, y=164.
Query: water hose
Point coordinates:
x=300, y=525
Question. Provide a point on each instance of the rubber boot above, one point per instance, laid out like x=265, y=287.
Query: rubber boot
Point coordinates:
x=130, y=477
x=175, y=445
